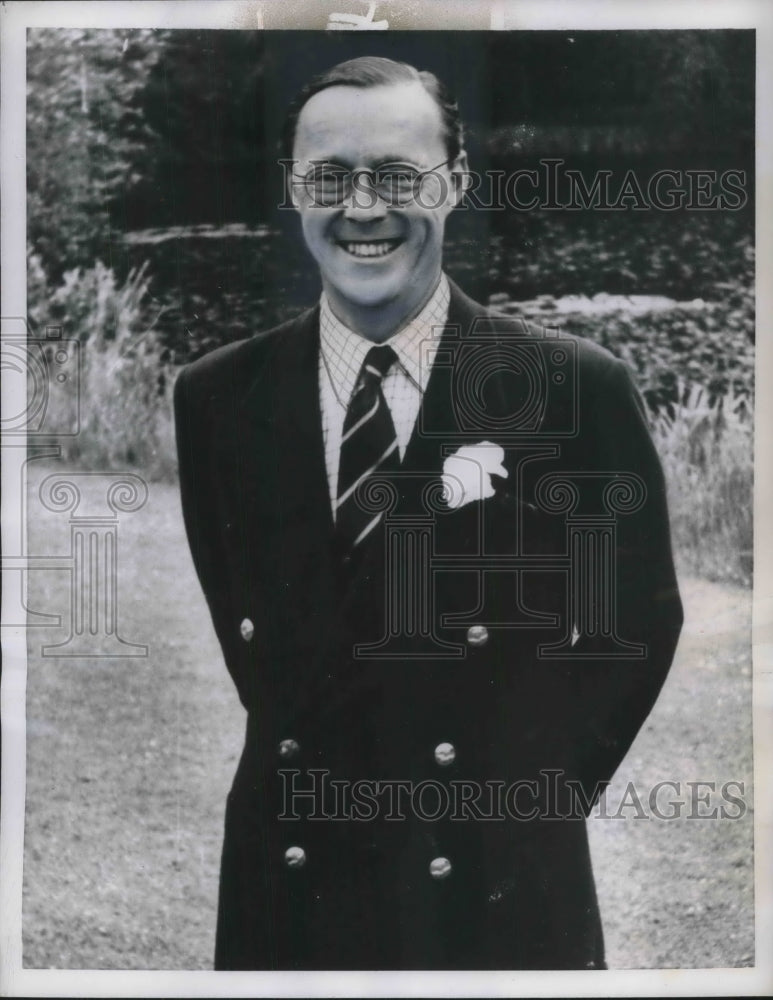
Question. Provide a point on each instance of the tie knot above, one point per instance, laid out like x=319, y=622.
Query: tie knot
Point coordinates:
x=377, y=362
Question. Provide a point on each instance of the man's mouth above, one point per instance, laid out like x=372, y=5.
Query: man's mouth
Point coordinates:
x=369, y=248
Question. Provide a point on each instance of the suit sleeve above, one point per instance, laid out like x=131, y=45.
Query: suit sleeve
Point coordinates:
x=618, y=694
x=203, y=520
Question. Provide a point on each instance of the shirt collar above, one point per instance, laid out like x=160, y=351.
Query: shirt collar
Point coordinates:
x=343, y=350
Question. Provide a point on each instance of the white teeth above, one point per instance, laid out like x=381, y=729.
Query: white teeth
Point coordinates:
x=370, y=249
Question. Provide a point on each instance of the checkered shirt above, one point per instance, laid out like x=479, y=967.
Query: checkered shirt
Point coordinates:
x=342, y=352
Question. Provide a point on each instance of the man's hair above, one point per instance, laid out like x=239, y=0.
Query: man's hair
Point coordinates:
x=376, y=71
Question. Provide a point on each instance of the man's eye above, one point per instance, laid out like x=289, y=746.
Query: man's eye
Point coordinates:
x=398, y=177
x=329, y=178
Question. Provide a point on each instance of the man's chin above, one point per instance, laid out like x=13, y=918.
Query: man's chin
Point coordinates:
x=371, y=292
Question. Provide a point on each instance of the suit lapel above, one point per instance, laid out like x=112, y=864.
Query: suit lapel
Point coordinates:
x=438, y=425
x=281, y=413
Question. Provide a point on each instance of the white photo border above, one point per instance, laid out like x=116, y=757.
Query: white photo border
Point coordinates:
x=15, y=18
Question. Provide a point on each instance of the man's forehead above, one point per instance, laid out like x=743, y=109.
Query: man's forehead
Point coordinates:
x=358, y=123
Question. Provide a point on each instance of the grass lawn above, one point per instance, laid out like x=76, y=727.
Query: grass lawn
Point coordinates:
x=129, y=760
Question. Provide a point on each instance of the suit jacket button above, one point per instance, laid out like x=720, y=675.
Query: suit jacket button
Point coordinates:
x=247, y=629
x=288, y=749
x=440, y=868
x=477, y=635
x=295, y=857
x=445, y=754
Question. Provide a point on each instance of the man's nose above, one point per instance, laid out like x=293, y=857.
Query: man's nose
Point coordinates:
x=364, y=203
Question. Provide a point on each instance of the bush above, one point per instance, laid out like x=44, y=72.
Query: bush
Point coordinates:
x=217, y=285
x=706, y=343
x=125, y=377
x=683, y=255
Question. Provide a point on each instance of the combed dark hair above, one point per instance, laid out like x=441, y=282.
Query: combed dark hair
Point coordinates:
x=376, y=71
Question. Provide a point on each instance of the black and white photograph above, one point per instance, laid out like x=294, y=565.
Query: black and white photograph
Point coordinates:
x=383, y=580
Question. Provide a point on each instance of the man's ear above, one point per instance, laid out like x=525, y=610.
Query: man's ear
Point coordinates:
x=293, y=186
x=292, y=191
x=460, y=177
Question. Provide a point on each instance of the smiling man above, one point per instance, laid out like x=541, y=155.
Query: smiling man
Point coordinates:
x=379, y=252
x=434, y=543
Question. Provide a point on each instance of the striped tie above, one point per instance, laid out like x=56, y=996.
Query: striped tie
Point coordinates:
x=368, y=447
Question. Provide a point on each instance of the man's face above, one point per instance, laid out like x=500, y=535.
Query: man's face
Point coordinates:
x=373, y=253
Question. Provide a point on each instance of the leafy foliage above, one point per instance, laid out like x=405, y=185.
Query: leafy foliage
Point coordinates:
x=85, y=137
x=204, y=103
x=693, y=89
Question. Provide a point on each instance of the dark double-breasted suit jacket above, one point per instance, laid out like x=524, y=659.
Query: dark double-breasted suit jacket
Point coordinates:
x=508, y=651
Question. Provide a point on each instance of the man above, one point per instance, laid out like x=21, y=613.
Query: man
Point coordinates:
x=435, y=548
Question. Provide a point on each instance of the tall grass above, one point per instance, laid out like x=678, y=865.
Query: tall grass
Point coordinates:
x=124, y=389
x=707, y=452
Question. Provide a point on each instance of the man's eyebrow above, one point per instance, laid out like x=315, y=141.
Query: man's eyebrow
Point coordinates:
x=382, y=161
x=324, y=162
x=397, y=160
